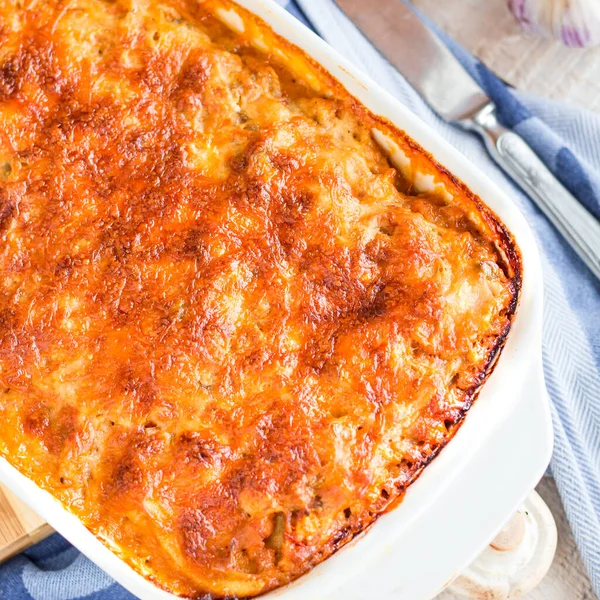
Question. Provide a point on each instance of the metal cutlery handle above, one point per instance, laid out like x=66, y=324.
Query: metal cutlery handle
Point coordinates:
x=577, y=225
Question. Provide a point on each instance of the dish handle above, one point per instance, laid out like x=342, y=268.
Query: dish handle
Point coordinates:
x=516, y=560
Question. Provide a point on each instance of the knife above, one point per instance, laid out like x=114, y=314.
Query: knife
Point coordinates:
x=429, y=66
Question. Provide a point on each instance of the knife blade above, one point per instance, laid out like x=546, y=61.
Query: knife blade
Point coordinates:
x=421, y=57
x=435, y=73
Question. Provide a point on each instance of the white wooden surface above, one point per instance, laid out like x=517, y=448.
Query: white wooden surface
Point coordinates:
x=545, y=67
x=567, y=579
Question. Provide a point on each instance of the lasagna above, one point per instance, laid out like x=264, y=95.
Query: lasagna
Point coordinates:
x=239, y=313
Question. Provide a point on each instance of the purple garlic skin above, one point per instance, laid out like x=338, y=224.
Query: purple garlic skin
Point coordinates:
x=575, y=23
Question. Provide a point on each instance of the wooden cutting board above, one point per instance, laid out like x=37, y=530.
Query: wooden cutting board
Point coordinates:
x=20, y=527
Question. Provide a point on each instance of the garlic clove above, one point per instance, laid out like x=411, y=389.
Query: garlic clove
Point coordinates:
x=576, y=23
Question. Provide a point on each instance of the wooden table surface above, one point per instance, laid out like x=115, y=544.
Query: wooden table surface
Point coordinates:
x=544, y=67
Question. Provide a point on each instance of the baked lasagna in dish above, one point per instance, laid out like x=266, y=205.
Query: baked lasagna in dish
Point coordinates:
x=239, y=313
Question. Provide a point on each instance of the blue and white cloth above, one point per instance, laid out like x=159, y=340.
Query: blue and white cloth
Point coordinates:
x=568, y=140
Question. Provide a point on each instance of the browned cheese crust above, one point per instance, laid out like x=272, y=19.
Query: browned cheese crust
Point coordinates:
x=231, y=333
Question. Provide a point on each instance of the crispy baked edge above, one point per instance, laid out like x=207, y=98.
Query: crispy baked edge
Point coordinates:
x=509, y=258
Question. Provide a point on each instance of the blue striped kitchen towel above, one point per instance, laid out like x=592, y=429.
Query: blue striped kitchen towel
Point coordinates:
x=568, y=139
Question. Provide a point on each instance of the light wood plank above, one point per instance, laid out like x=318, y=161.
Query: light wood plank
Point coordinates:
x=20, y=527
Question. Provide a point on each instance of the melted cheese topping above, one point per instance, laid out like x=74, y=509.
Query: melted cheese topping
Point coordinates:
x=231, y=333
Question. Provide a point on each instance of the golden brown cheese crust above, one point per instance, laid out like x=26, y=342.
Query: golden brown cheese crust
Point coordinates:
x=231, y=334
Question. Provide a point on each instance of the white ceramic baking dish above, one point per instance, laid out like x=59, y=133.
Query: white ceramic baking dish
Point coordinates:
x=478, y=480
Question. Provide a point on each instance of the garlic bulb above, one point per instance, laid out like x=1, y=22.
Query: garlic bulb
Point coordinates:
x=575, y=23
